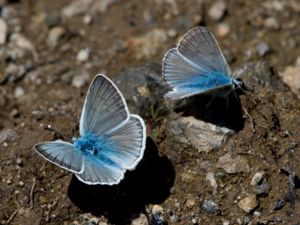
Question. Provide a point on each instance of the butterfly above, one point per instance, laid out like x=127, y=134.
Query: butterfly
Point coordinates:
x=111, y=139
x=197, y=65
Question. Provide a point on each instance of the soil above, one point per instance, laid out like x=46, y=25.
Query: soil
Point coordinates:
x=34, y=191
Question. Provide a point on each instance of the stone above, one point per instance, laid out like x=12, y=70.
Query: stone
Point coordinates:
x=80, y=80
x=19, y=92
x=157, y=209
x=76, y=7
x=233, y=164
x=83, y=55
x=143, y=88
x=223, y=29
x=210, y=207
x=271, y=23
x=55, y=35
x=249, y=203
x=212, y=181
x=146, y=46
x=217, y=10
x=3, y=31
x=7, y=135
x=291, y=77
x=201, y=135
x=141, y=220
x=257, y=178
x=262, y=49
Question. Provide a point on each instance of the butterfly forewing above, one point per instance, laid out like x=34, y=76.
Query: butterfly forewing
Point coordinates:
x=104, y=108
x=62, y=154
x=199, y=47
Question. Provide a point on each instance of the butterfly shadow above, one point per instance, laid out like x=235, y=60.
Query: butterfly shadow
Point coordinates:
x=221, y=111
x=149, y=183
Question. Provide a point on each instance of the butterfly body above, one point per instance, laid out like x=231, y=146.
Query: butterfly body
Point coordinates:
x=112, y=140
x=197, y=66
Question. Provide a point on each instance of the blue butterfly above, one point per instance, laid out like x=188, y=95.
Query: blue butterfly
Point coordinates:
x=197, y=66
x=111, y=139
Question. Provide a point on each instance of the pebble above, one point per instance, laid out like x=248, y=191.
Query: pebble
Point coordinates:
x=76, y=7
x=52, y=20
x=291, y=77
x=21, y=184
x=80, y=80
x=3, y=31
x=232, y=164
x=223, y=29
x=19, y=92
x=271, y=23
x=83, y=55
x=157, y=209
x=201, y=135
x=141, y=220
x=279, y=204
x=190, y=203
x=212, y=181
x=262, y=49
x=257, y=178
x=55, y=35
x=210, y=207
x=148, y=45
x=19, y=161
x=22, y=42
x=187, y=177
x=7, y=135
x=217, y=10
x=87, y=19
x=248, y=203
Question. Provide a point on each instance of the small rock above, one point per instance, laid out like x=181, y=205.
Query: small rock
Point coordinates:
x=21, y=184
x=279, y=204
x=141, y=220
x=102, y=5
x=291, y=77
x=22, y=42
x=148, y=45
x=83, y=55
x=14, y=72
x=201, y=135
x=217, y=10
x=7, y=135
x=232, y=164
x=271, y=23
x=262, y=49
x=257, y=178
x=3, y=32
x=210, y=207
x=55, y=35
x=157, y=209
x=52, y=20
x=80, y=80
x=76, y=7
x=19, y=92
x=187, y=177
x=211, y=179
x=223, y=30
x=248, y=203
x=19, y=162
x=87, y=19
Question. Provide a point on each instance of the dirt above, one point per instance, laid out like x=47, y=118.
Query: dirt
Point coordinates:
x=33, y=191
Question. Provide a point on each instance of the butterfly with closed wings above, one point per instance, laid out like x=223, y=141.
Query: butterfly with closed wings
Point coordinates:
x=197, y=66
x=111, y=139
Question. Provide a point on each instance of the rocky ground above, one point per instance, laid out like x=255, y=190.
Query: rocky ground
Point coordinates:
x=234, y=162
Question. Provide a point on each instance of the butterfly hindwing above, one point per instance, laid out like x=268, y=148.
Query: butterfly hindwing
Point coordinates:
x=61, y=153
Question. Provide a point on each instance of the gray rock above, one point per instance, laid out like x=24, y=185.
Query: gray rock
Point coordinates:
x=52, y=20
x=249, y=203
x=76, y=8
x=7, y=135
x=143, y=88
x=262, y=49
x=55, y=35
x=212, y=181
x=210, y=207
x=201, y=135
x=257, y=178
x=141, y=220
x=83, y=55
x=233, y=164
x=14, y=72
x=217, y=10
x=3, y=32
